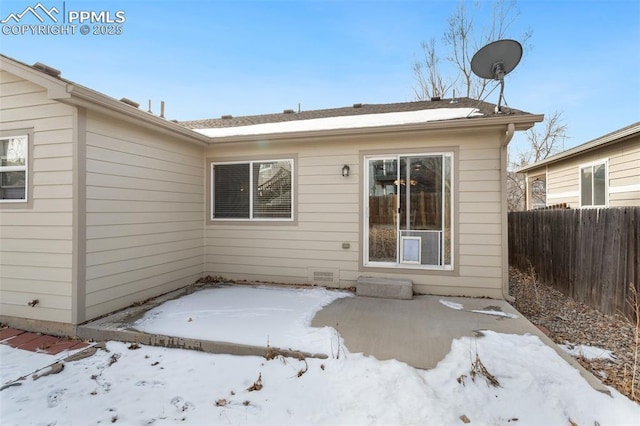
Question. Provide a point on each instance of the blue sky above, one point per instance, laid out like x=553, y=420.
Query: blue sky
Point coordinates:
x=206, y=59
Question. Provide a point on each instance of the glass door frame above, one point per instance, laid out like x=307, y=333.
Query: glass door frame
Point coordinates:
x=366, y=184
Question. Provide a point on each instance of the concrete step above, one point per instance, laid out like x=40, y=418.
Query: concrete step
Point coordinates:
x=385, y=288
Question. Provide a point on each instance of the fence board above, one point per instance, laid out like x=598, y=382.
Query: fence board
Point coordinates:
x=591, y=255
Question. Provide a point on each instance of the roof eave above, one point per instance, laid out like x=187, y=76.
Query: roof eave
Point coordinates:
x=56, y=88
x=521, y=122
x=84, y=97
x=69, y=93
x=614, y=137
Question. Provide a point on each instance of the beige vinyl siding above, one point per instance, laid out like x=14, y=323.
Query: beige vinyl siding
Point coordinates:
x=480, y=214
x=623, y=172
x=624, y=175
x=326, y=216
x=329, y=213
x=36, y=254
x=563, y=186
x=144, y=214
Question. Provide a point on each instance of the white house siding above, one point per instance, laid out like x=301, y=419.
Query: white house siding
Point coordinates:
x=329, y=214
x=36, y=252
x=623, y=171
x=144, y=214
x=624, y=174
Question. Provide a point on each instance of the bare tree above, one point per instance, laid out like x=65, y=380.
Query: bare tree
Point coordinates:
x=541, y=144
x=446, y=67
x=462, y=38
x=546, y=142
x=430, y=81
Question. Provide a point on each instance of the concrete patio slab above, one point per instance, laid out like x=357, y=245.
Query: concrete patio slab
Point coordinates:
x=420, y=331
x=119, y=326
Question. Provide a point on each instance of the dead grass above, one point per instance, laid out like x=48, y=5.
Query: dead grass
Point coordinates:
x=257, y=385
x=630, y=376
x=339, y=348
x=569, y=321
x=382, y=243
x=529, y=297
x=479, y=370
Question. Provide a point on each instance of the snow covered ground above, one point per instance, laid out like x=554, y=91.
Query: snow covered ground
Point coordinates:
x=532, y=385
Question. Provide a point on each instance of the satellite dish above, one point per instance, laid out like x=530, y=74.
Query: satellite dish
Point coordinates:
x=495, y=60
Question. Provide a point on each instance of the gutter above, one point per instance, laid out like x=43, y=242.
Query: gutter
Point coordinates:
x=505, y=214
x=519, y=122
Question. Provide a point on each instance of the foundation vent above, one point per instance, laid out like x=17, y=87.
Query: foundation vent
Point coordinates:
x=323, y=276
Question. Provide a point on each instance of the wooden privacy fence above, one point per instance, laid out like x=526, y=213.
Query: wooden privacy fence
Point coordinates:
x=591, y=255
x=425, y=209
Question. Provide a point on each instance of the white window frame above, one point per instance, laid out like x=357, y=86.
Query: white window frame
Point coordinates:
x=592, y=164
x=365, y=223
x=24, y=169
x=251, y=192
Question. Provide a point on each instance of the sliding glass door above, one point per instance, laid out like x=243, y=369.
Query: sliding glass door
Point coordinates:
x=409, y=211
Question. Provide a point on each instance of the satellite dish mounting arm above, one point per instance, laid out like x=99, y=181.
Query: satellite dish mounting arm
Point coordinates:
x=495, y=60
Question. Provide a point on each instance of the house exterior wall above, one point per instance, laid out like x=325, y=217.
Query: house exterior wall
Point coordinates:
x=329, y=212
x=36, y=254
x=623, y=171
x=144, y=214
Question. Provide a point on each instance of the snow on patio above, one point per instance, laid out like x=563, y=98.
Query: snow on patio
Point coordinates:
x=280, y=317
x=150, y=385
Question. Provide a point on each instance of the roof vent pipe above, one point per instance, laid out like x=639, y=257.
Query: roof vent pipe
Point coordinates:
x=130, y=102
x=454, y=100
x=161, y=109
x=47, y=69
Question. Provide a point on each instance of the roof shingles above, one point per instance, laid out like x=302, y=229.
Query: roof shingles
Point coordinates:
x=485, y=108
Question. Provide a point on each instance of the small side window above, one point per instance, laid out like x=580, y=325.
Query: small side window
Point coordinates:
x=14, y=169
x=593, y=185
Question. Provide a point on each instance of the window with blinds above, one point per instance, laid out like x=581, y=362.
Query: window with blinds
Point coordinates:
x=253, y=190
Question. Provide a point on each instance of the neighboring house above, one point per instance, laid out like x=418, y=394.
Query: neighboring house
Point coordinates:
x=604, y=172
x=104, y=205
